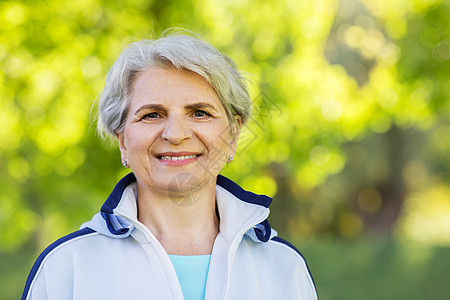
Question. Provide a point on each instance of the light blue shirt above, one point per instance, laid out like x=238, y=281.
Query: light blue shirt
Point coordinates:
x=192, y=271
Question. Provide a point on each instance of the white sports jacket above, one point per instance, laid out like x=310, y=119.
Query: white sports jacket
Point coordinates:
x=114, y=256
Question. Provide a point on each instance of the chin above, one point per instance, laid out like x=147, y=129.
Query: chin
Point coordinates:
x=184, y=189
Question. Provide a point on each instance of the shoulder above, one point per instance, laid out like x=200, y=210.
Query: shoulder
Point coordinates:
x=286, y=247
x=277, y=250
x=61, y=243
x=290, y=250
x=56, y=255
x=280, y=250
x=285, y=255
x=278, y=263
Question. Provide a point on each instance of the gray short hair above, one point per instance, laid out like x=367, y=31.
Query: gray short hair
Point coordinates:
x=180, y=51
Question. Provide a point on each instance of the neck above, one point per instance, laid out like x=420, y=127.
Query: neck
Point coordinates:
x=184, y=223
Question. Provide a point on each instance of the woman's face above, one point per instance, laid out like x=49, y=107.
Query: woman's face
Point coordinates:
x=177, y=136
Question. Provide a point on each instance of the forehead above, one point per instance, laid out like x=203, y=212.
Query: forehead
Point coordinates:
x=170, y=86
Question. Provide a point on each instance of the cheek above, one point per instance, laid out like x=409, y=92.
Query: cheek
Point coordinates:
x=220, y=138
x=137, y=140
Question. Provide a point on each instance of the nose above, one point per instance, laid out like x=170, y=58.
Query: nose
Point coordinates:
x=175, y=130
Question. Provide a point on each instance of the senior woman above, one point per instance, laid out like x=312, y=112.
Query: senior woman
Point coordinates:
x=174, y=228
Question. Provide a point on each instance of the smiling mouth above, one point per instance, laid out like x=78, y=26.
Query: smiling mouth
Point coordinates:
x=176, y=158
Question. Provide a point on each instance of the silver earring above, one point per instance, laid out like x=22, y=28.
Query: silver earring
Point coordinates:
x=125, y=164
x=230, y=157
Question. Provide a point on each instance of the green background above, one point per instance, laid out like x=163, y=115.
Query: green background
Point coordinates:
x=350, y=132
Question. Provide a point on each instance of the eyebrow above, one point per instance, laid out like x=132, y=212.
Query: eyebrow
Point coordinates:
x=193, y=106
x=149, y=107
x=200, y=105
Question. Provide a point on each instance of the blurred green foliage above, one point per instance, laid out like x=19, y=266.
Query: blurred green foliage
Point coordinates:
x=377, y=269
x=350, y=133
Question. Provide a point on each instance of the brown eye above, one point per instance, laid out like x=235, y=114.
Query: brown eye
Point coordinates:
x=200, y=114
x=153, y=115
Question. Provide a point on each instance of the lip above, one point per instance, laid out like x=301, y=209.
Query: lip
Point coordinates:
x=180, y=162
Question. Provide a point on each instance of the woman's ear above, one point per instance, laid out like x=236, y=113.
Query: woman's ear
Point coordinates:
x=122, y=146
x=236, y=130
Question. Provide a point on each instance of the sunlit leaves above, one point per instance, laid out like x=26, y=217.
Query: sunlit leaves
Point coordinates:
x=428, y=216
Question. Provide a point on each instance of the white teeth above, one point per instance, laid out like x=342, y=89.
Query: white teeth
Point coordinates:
x=177, y=157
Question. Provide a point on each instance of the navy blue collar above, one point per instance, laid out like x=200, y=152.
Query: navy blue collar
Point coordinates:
x=262, y=230
x=114, y=198
x=246, y=196
x=242, y=194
